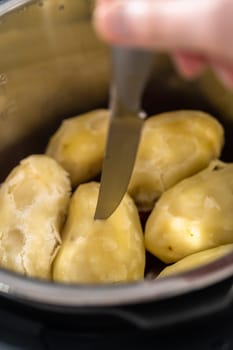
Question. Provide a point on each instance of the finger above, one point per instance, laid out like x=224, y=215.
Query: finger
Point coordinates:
x=195, y=25
x=189, y=66
x=166, y=24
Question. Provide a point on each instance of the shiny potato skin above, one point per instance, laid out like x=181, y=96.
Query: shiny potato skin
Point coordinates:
x=78, y=145
x=33, y=204
x=196, y=260
x=100, y=251
x=173, y=146
x=194, y=215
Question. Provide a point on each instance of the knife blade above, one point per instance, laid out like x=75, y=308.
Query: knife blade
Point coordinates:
x=130, y=72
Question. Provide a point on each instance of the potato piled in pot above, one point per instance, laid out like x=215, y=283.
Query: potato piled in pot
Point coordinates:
x=79, y=145
x=33, y=204
x=194, y=215
x=196, y=260
x=174, y=145
x=177, y=180
x=100, y=251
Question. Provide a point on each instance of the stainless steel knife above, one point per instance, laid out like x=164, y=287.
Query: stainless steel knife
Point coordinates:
x=130, y=69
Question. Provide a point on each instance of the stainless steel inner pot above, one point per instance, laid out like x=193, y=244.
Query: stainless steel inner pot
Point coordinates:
x=53, y=66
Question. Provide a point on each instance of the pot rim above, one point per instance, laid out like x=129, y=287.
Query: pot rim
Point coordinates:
x=10, y=5
x=62, y=295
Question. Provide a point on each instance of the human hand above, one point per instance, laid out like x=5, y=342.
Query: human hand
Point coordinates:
x=195, y=32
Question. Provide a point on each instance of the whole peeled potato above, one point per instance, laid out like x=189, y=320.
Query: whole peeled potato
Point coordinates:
x=196, y=260
x=100, y=251
x=33, y=204
x=78, y=145
x=194, y=215
x=174, y=145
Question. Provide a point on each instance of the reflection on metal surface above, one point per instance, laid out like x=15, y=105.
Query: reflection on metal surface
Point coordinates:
x=51, y=65
x=9, y=5
x=4, y=288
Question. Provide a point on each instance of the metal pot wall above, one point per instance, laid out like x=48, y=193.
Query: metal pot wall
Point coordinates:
x=53, y=66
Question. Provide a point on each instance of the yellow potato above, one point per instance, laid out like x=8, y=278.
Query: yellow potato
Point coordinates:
x=194, y=215
x=79, y=145
x=33, y=203
x=99, y=251
x=196, y=260
x=174, y=145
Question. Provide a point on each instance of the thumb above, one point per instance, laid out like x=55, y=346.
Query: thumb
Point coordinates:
x=202, y=26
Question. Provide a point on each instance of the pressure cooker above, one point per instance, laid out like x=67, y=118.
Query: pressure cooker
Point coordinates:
x=53, y=66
